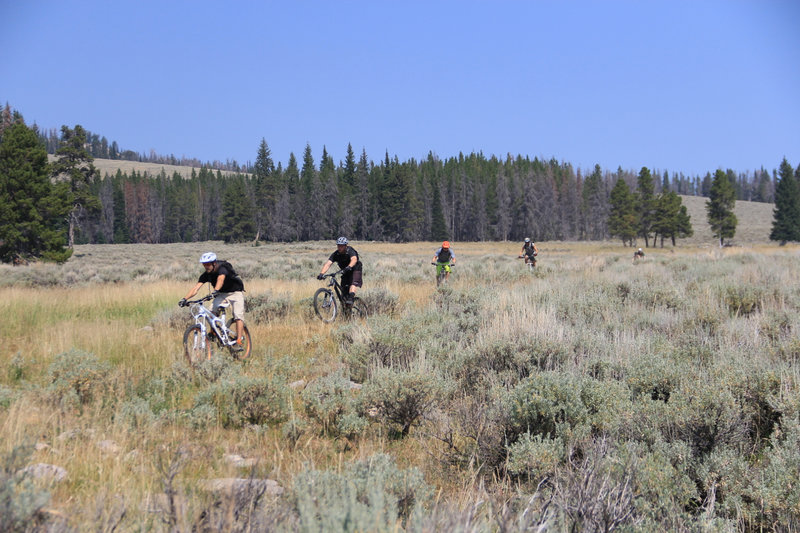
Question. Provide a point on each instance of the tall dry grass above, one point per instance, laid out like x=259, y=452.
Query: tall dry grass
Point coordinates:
x=679, y=321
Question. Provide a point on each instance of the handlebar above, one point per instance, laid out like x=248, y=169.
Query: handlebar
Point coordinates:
x=330, y=275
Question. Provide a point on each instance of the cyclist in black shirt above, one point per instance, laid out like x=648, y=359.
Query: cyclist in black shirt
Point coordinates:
x=227, y=286
x=347, y=258
x=529, y=251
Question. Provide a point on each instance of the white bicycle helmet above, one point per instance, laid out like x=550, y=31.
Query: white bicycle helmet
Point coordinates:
x=527, y=239
x=208, y=257
x=341, y=240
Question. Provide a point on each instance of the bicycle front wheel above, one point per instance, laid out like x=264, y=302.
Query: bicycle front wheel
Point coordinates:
x=196, y=347
x=325, y=305
x=244, y=353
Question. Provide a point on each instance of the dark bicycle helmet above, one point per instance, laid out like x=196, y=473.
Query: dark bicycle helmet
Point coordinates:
x=341, y=240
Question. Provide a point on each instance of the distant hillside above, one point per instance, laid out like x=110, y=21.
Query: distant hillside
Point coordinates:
x=110, y=167
x=755, y=222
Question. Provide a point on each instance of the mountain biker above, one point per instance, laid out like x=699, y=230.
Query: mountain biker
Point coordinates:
x=444, y=258
x=529, y=251
x=227, y=286
x=638, y=254
x=347, y=258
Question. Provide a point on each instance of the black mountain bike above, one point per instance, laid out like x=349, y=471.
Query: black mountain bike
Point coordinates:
x=328, y=300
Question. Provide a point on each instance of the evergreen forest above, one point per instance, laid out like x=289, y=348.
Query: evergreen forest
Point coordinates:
x=468, y=197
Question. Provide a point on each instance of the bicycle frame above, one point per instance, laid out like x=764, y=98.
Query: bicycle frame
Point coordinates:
x=338, y=289
x=207, y=319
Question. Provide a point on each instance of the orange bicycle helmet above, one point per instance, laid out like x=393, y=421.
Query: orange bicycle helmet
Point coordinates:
x=446, y=244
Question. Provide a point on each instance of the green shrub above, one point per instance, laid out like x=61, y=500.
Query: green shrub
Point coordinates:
x=76, y=378
x=240, y=400
x=708, y=417
x=329, y=400
x=264, y=307
x=380, y=301
x=135, y=413
x=369, y=495
x=402, y=397
x=548, y=404
x=535, y=456
x=744, y=300
x=7, y=396
x=17, y=367
x=776, y=498
x=21, y=502
x=654, y=377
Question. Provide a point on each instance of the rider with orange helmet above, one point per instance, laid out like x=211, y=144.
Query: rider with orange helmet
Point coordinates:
x=444, y=258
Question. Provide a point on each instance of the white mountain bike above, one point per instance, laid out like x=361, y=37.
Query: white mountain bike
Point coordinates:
x=212, y=330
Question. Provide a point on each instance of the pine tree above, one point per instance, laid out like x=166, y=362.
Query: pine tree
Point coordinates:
x=646, y=204
x=265, y=189
x=786, y=216
x=671, y=218
x=237, y=223
x=32, y=209
x=720, y=204
x=622, y=213
x=74, y=167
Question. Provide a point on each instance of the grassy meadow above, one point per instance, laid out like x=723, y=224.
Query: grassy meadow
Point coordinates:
x=591, y=394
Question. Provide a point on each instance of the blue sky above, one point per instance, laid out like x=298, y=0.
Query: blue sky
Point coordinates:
x=684, y=86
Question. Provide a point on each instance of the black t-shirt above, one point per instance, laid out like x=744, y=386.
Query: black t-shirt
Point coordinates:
x=529, y=248
x=343, y=259
x=232, y=282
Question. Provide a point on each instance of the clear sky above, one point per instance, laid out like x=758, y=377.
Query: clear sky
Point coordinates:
x=683, y=86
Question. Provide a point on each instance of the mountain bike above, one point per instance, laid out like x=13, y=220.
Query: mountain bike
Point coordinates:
x=212, y=329
x=441, y=273
x=328, y=300
x=530, y=260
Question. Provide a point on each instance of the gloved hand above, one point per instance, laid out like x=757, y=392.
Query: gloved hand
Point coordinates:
x=215, y=294
x=347, y=269
x=320, y=276
x=434, y=264
x=182, y=302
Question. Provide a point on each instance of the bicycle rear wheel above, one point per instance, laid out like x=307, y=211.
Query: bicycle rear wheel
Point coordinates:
x=196, y=347
x=360, y=309
x=246, y=346
x=325, y=305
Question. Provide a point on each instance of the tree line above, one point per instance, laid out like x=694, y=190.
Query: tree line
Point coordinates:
x=465, y=198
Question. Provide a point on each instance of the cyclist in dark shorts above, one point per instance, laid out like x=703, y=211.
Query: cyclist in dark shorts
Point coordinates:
x=347, y=258
x=529, y=251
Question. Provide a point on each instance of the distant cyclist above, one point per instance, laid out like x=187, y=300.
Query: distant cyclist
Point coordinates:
x=444, y=258
x=227, y=286
x=638, y=254
x=347, y=258
x=529, y=251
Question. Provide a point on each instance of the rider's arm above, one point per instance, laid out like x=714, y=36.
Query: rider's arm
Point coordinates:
x=535, y=248
x=353, y=261
x=220, y=281
x=326, y=266
x=194, y=290
x=452, y=257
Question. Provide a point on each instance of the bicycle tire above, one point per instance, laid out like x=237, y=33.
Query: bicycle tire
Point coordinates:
x=244, y=354
x=325, y=305
x=196, y=347
x=360, y=309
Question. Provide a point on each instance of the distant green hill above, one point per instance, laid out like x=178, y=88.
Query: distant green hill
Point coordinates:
x=755, y=222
